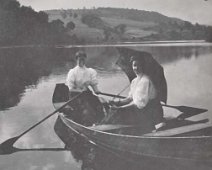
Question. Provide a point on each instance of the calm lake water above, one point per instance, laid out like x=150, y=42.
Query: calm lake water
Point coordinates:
x=28, y=77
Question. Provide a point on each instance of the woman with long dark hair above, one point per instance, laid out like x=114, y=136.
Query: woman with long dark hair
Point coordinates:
x=142, y=106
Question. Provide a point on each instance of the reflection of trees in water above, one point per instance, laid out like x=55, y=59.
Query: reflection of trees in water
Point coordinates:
x=165, y=55
x=171, y=54
x=107, y=56
x=104, y=57
x=24, y=67
x=20, y=68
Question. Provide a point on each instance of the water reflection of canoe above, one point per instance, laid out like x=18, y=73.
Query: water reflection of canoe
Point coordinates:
x=181, y=139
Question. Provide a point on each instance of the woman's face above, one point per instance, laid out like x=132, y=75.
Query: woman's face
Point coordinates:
x=137, y=67
x=81, y=61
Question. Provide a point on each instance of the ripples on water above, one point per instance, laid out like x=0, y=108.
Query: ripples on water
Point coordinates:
x=28, y=77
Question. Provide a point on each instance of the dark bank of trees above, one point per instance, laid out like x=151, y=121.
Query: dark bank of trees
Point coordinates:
x=22, y=25
x=182, y=31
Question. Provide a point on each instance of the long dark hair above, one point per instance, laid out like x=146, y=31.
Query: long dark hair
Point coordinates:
x=140, y=58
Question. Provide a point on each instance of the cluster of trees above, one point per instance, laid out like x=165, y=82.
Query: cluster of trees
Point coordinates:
x=93, y=20
x=22, y=25
x=182, y=30
x=68, y=13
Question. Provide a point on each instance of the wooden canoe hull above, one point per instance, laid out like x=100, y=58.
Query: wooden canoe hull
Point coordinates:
x=180, y=141
x=191, y=148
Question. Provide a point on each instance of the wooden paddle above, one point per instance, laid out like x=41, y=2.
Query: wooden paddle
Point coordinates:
x=7, y=146
x=183, y=109
x=35, y=149
x=112, y=95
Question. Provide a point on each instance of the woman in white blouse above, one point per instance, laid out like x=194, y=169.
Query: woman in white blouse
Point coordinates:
x=80, y=77
x=142, y=105
x=86, y=109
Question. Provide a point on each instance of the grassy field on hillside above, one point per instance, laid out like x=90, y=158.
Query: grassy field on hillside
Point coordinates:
x=130, y=23
x=134, y=29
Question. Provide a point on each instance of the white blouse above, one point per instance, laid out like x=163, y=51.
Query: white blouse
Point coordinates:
x=79, y=78
x=141, y=91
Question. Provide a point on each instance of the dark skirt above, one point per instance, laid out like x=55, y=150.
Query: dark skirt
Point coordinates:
x=145, y=118
x=86, y=109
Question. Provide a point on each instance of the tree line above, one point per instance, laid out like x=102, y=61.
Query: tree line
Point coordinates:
x=22, y=25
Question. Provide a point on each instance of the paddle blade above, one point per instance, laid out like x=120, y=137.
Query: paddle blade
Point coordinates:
x=60, y=93
x=7, y=146
x=189, y=111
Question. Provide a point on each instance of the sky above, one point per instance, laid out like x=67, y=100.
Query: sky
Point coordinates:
x=195, y=11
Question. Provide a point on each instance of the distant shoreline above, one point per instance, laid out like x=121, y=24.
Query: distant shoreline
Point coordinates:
x=145, y=43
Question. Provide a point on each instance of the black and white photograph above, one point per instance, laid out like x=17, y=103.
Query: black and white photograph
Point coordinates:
x=105, y=85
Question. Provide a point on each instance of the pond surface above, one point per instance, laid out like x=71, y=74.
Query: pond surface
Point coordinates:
x=28, y=77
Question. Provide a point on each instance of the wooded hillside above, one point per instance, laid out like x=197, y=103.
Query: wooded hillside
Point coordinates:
x=116, y=24
x=22, y=25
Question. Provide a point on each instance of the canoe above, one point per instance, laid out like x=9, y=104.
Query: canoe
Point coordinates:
x=181, y=139
x=156, y=145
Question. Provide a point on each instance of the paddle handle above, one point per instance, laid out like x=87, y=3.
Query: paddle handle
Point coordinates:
x=179, y=108
x=51, y=114
x=112, y=95
x=122, y=97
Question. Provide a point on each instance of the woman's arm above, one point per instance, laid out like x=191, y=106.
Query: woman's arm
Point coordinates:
x=125, y=101
x=127, y=106
x=70, y=80
x=121, y=102
x=94, y=80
